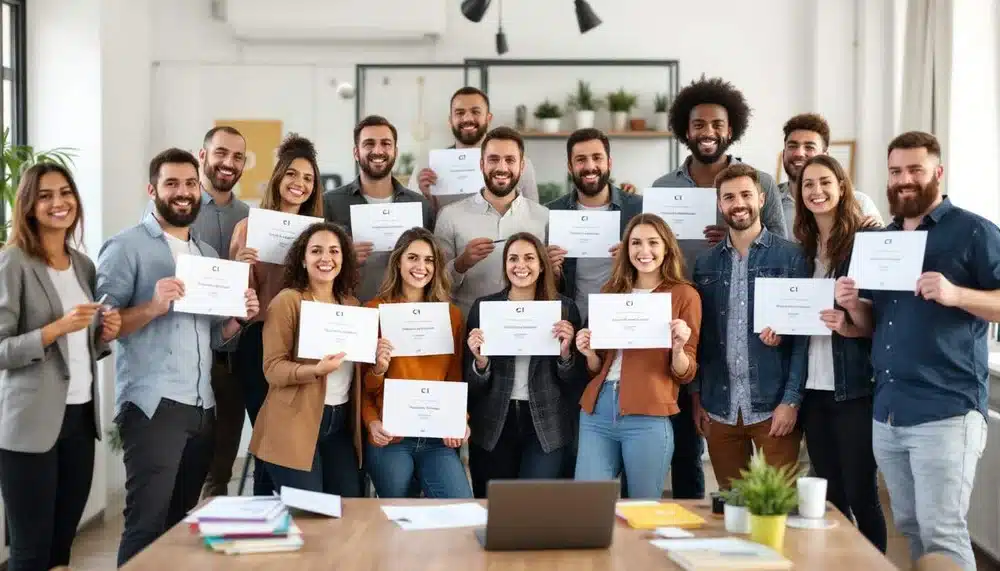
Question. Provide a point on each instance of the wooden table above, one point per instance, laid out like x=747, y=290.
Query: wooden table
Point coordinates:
x=364, y=540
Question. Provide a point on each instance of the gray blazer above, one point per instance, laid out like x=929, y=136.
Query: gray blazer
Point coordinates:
x=34, y=380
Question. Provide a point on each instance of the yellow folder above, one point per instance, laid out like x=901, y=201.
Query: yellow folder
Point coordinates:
x=651, y=515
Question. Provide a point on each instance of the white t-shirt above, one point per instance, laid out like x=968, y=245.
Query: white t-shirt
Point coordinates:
x=80, y=378
x=521, y=367
x=338, y=384
x=820, y=375
x=178, y=246
x=591, y=273
x=374, y=200
x=615, y=372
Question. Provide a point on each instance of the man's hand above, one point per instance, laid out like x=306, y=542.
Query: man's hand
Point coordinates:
x=935, y=287
x=714, y=234
x=871, y=222
x=426, y=178
x=362, y=250
x=167, y=291
x=248, y=255
x=628, y=188
x=110, y=325
x=845, y=293
x=702, y=421
x=557, y=256
x=770, y=338
x=783, y=420
x=475, y=251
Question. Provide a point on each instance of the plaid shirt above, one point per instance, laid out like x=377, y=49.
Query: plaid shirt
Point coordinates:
x=554, y=389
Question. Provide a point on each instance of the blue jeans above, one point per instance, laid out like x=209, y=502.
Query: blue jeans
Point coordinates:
x=643, y=445
x=929, y=470
x=437, y=468
x=335, y=464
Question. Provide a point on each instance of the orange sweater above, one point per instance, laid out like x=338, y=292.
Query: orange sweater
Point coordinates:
x=423, y=368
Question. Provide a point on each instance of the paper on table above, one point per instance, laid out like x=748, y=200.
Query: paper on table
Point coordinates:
x=272, y=232
x=383, y=224
x=328, y=329
x=457, y=170
x=584, y=233
x=212, y=286
x=237, y=508
x=686, y=210
x=791, y=306
x=436, y=517
x=315, y=502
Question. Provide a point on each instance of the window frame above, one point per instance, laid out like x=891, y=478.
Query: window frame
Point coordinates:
x=16, y=73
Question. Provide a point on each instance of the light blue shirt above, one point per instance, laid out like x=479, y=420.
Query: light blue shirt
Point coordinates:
x=171, y=357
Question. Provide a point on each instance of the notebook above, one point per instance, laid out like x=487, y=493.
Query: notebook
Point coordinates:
x=651, y=515
x=722, y=554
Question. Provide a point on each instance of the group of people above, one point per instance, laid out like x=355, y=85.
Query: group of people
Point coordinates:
x=183, y=381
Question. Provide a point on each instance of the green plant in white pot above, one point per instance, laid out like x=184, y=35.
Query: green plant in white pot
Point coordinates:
x=770, y=494
x=548, y=115
x=661, y=103
x=15, y=159
x=584, y=104
x=620, y=103
x=735, y=512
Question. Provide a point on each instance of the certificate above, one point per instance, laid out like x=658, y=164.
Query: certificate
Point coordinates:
x=212, y=286
x=519, y=328
x=416, y=329
x=791, y=306
x=630, y=320
x=328, y=329
x=585, y=233
x=888, y=260
x=272, y=232
x=686, y=210
x=383, y=224
x=457, y=170
x=427, y=409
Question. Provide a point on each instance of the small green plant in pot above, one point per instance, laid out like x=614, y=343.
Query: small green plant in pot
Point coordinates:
x=548, y=115
x=735, y=512
x=661, y=103
x=770, y=495
x=584, y=104
x=620, y=103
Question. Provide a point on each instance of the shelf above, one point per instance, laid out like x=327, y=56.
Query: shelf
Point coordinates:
x=611, y=135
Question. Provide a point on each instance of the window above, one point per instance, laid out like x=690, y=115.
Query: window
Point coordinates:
x=12, y=93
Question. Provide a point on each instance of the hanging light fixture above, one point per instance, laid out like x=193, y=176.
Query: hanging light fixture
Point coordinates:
x=474, y=10
x=502, y=46
x=586, y=17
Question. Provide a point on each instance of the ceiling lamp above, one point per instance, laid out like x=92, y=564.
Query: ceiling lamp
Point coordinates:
x=474, y=10
x=585, y=16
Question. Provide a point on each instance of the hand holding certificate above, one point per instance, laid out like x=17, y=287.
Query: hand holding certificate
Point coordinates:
x=212, y=286
x=424, y=409
x=417, y=328
x=457, y=171
x=383, y=224
x=686, y=210
x=630, y=320
x=585, y=234
x=792, y=306
x=328, y=328
x=888, y=260
x=272, y=232
x=519, y=328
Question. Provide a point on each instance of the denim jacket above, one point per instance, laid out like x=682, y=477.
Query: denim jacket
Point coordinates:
x=852, y=362
x=777, y=374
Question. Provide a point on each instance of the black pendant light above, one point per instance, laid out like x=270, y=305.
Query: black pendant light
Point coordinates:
x=475, y=9
x=585, y=16
x=502, y=46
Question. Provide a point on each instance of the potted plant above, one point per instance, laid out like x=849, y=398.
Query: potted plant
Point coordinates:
x=660, y=105
x=584, y=104
x=735, y=512
x=770, y=495
x=620, y=103
x=14, y=160
x=548, y=115
x=404, y=168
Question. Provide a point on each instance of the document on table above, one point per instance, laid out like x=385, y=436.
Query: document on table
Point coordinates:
x=212, y=286
x=583, y=233
x=448, y=516
x=425, y=409
x=686, y=210
x=630, y=320
x=890, y=261
x=328, y=329
x=382, y=224
x=416, y=329
x=272, y=232
x=519, y=328
x=314, y=502
x=791, y=306
x=457, y=170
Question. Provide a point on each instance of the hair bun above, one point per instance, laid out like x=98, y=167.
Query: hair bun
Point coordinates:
x=295, y=147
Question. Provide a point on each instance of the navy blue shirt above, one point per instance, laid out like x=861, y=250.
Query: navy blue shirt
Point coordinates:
x=931, y=361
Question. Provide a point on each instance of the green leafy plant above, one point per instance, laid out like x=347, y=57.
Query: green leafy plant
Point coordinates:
x=114, y=436
x=767, y=490
x=621, y=100
x=547, y=110
x=660, y=103
x=15, y=159
x=405, y=164
x=583, y=99
x=549, y=191
x=733, y=497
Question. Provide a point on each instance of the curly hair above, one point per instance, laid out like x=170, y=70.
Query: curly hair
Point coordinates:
x=713, y=91
x=294, y=147
x=809, y=122
x=296, y=275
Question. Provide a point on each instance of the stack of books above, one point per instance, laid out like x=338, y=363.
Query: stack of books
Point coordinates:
x=246, y=524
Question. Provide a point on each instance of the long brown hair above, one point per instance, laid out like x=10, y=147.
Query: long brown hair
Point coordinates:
x=296, y=275
x=623, y=273
x=545, y=286
x=24, y=230
x=294, y=147
x=846, y=221
x=439, y=289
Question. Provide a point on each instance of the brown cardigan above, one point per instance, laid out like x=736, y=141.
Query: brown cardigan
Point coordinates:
x=287, y=425
x=648, y=384
x=265, y=279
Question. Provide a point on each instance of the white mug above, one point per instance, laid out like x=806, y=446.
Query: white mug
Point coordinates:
x=812, y=497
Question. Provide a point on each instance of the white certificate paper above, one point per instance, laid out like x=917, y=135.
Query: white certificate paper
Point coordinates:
x=272, y=232
x=328, y=328
x=585, y=233
x=519, y=328
x=426, y=409
x=383, y=224
x=686, y=210
x=212, y=286
x=416, y=329
x=891, y=261
x=457, y=170
x=791, y=306
x=630, y=320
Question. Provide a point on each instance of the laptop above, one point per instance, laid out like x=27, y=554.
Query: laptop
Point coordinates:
x=549, y=514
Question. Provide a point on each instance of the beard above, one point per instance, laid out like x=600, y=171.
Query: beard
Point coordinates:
x=591, y=189
x=374, y=172
x=212, y=173
x=916, y=206
x=792, y=172
x=742, y=224
x=469, y=138
x=502, y=191
x=722, y=145
x=174, y=218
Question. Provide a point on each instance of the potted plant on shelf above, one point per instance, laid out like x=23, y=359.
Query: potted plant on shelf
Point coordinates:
x=620, y=103
x=770, y=495
x=584, y=104
x=735, y=512
x=548, y=115
x=404, y=168
x=14, y=160
x=660, y=105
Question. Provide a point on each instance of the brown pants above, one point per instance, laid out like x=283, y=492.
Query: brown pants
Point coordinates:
x=729, y=447
x=229, y=414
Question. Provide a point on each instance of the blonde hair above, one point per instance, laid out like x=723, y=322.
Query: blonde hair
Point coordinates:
x=623, y=273
x=392, y=284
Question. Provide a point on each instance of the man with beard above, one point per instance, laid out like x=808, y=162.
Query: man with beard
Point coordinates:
x=748, y=387
x=469, y=120
x=929, y=352
x=163, y=395
x=473, y=230
x=808, y=135
x=375, y=152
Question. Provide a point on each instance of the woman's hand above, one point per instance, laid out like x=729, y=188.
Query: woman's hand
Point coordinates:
x=475, y=342
x=563, y=331
x=378, y=434
x=247, y=255
x=329, y=364
x=110, y=325
x=456, y=442
x=770, y=338
x=383, y=355
x=679, y=334
x=583, y=344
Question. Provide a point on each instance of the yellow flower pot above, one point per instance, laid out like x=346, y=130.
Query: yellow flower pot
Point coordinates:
x=768, y=530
